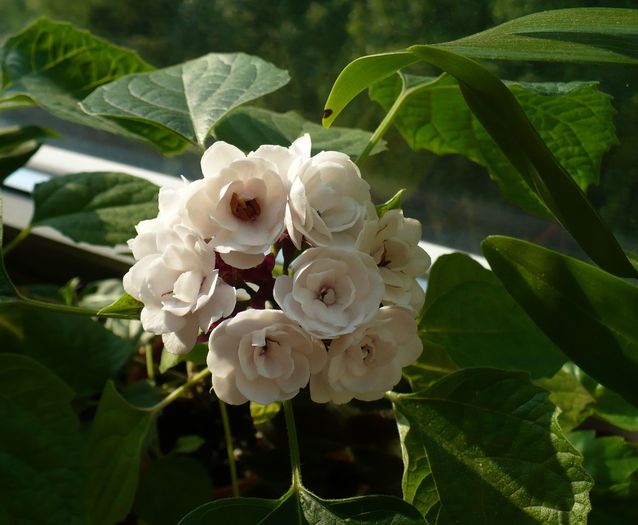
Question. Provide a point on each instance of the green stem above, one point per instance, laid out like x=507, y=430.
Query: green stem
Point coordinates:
x=180, y=391
x=56, y=307
x=150, y=370
x=22, y=235
x=293, y=444
x=382, y=128
x=230, y=448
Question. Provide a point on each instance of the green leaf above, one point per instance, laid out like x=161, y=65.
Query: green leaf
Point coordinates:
x=613, y=463
x=239, y=511
x=485, y=443
x=17, y=145
x=41, y=463
x=118, y=436
x=432, y=365
x=392, y=204
x=583, y=35
x=568, y=394
x=79, y=350
x=261, y=414
x=56, y=65
x=470, y=314
x=301, y=507
x=249, y=127
x=188, y=444
x=197, y=356
x=187, y=99
x=126, y=307
x=589, y=314
x=503, y=118
x=359, y=75
x=573, y=119
x=98, y=208
x=8, y=292
x=158, y=502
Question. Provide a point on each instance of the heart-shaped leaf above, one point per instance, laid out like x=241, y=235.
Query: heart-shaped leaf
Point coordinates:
x=99, y=208
x=188, y=99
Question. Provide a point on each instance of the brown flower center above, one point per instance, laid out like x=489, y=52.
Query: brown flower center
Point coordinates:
x=246, y=210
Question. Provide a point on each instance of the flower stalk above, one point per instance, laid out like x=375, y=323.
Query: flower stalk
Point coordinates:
x=293, y=443
x=230, y=448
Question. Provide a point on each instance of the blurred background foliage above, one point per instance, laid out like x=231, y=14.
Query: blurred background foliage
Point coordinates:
x=455, y=200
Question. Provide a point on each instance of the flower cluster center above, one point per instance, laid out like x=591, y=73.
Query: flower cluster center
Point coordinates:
x=327, y=296
x=246, y=210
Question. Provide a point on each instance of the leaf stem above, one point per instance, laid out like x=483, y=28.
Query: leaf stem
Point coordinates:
x=230, y=448
x=382, y=128
x=293, y=443
x=22, y=235
x=57, y=307
x=180, y=391
x=150, y=370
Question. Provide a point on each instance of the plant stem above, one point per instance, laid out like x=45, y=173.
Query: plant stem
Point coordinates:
x=57, y=307
x=293, y=443
x=180, y=391
x=230, y=448
x=22, y=235
x=382, y=128
x=150, y=370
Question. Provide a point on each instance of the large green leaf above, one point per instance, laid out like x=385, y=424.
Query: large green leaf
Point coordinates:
x=56, y=65
x=249, y=127
x=584, y=35
x=613, y=463
x=301, y=507
x=470, y=314
x=485, y=444
x=79, y=350
x=504, y=119
x=41, y=448
x=574, y=120
x=118, y=436
x=17, y=145
x=590, y=315
x=188, y=99
x=97, y=208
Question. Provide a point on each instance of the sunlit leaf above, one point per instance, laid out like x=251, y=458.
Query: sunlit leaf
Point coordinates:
x=197, y=356
x=589, y=314
x=574, y=120
x=392, y=203
x=581, y=35
x=261, y=414
x=187, y=99
x=470, y=314
x=41, y=463
x=56, y=65
x=485, y=443
x=98, y=208
x=126, y=307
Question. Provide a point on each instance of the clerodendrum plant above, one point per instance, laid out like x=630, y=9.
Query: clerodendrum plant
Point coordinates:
x=278, y=272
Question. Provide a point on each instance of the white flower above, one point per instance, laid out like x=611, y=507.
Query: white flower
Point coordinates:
x=332, y=292
x=262, y=356
x=393, y=242
x=328, y=202
x=368, y=362
x=176, y=280
x=241, y=201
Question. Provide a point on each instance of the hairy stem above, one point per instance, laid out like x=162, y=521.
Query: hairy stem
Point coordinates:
x=293, y=443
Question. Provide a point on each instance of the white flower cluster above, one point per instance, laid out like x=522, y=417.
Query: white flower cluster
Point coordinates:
x=331, y=331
